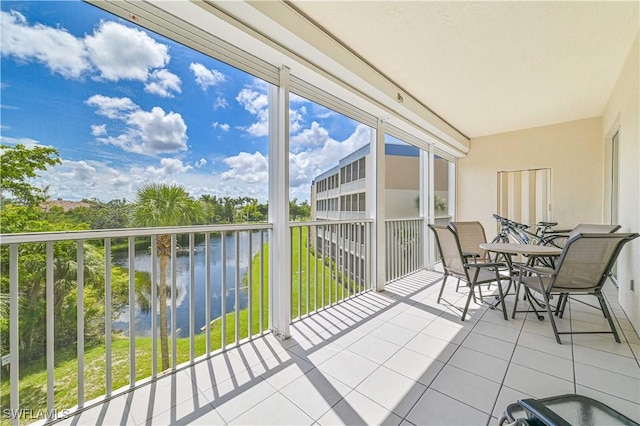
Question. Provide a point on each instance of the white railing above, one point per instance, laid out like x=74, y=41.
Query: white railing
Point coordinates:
x=442, y=220
x=405, y=247
x=330, y=263
x=215, y=274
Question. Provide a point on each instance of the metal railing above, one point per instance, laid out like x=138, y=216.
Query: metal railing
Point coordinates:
x=217, y=287
x=405, y=247
x=330, y=263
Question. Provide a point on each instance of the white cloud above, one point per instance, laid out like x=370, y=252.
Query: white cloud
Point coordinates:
x=252, y=101
x=201, y=162
x=313, y=137
x=222, y=126
x=147, y=132
x=206, y=77
x=248, y=168
x=114, y=108
x=27, y=142
x=163, y=83
x=168, y=167
x=123, y=53
x=296, y=119
x=74, y=180
x=56, y=48
x=98, y=130
x=220, y=102
x=113, y=52
x=257, y=104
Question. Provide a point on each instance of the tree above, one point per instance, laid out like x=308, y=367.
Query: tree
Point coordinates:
x=32, y=283
x=164, y=205
x=299, y=211
x=19, y=164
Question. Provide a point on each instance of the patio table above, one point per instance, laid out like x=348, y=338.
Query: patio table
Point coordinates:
x=531, y=251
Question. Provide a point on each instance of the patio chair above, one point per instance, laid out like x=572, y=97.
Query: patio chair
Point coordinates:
x=458, y=266
x=471, y=235
x=583, y=268
x=560, y=239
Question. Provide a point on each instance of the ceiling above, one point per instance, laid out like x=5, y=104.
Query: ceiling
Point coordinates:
x=489, y=67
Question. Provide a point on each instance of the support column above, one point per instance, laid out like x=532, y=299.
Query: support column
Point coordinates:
x=280, y=235
x=451, y=190
x=377, y=190
x=431, y=208
x=425, y=179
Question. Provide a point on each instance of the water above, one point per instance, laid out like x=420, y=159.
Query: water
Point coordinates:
x=143, y=263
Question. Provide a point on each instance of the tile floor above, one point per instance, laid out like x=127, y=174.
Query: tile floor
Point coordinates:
x=394, y=357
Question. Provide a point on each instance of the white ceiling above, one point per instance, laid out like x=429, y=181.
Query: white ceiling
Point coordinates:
x=490, y=67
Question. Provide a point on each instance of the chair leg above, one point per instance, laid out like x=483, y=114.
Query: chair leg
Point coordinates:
x=458, y=285
x=551, y=319
x=466, y=305
x=515, y=302
x=559, y=305
x=444, y=280
x=607, y=314
x=501, y=293
x=564, y=304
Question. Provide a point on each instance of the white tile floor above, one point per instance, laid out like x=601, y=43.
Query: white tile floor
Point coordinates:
x=394, y=357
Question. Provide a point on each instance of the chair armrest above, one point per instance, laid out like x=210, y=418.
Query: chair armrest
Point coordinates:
x=468, y=255
x=486, y=265
x=534, y=270
x=541, y=412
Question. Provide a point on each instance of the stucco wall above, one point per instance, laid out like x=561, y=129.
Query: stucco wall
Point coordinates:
x=623, y=112
x=402, y=172
x=573, y=152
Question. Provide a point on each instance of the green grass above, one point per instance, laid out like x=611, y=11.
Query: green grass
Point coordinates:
x=330, y=288
x=33, y=377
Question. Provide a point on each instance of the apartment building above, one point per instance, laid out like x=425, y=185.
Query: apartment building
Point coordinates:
x=342, y=191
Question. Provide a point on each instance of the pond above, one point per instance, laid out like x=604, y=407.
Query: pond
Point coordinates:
x=143, y=263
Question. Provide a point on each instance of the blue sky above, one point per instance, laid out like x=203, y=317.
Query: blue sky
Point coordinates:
x=124, y=106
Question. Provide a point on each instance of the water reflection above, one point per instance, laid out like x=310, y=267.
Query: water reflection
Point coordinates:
x=143, y=263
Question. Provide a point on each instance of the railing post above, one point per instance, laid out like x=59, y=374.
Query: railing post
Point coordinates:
x=280, y=239
x=14, y=337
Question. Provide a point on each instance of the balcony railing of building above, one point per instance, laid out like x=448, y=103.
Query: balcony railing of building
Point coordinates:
x=405, y=247
x=331, y=262
x=217, y=298
x=217, y=294
x=217, y=286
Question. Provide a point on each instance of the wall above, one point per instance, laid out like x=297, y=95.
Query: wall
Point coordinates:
x=623, y=112
x=401, y=172
x=573, y=151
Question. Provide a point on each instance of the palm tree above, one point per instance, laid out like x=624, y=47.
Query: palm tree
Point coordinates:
x=164, y=205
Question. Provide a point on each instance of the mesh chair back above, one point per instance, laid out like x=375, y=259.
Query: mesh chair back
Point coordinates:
x=470, y=236
x=587, y=259
x=449, y=246
x=588, y=228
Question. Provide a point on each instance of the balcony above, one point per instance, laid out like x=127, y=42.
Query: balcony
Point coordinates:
x=355, y=356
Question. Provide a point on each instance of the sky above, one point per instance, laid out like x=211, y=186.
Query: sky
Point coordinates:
x=124, y=107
